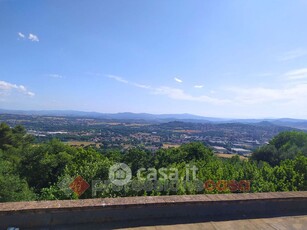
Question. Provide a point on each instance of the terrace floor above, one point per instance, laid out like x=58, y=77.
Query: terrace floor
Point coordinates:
x=280, y=223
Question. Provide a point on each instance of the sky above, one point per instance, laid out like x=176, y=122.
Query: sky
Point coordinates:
x=221, y=58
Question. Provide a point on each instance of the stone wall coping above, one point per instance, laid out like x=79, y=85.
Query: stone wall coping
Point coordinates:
x=145, y=200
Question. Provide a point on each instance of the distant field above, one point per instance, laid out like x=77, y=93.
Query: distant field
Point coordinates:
x=81, y=143
x=224, y=155
x=165, y=146
x=187, y=131
x=135, y=125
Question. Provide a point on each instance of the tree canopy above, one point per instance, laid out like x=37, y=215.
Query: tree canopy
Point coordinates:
x=31, y=171
x=286, y=145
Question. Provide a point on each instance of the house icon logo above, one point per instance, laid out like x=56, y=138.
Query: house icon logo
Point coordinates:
x=120, y=174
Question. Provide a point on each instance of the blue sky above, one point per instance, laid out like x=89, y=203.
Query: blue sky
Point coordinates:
x=223, y=58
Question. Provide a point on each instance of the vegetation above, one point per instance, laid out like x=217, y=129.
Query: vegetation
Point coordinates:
x=30, y=171
x=122, y=134
x=286, y=145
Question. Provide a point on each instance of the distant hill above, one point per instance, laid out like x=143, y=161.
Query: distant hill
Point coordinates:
x=112, y=116
x=287, y=122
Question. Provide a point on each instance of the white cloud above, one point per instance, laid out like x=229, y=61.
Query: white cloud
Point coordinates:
x=254, y=95
x=6, y=87
x=293, y=54
x=21, y=35
x=33, y=38
x=178, y=80
x=198, y=86
x=119, y=79
x=122, y=80
x=179, y=94
x=141, y=86
x=286, y=99
x=292, y=91
x=31, y=94
x=297, y=74
x=173, y=93
x=55, y=75
x=262, y=95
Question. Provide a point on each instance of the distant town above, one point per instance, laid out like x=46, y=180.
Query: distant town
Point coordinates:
x=232, y=137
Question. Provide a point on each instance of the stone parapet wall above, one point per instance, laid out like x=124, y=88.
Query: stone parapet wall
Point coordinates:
x=133, y=211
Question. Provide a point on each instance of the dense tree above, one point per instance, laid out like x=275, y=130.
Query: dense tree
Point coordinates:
x=267, y=153
x=137, y=158
x=39, y=171
x=41, y=165
x=12, y=187
x=14, y=137
x=286, y=145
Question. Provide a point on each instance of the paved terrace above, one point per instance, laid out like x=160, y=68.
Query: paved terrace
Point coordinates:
x=169, y=212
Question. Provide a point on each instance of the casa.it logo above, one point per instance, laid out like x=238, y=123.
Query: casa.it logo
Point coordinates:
x=71, y=185
x=120, y=174
x=227, y=185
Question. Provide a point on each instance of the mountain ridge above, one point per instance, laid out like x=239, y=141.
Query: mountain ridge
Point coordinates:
x=186, y=117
